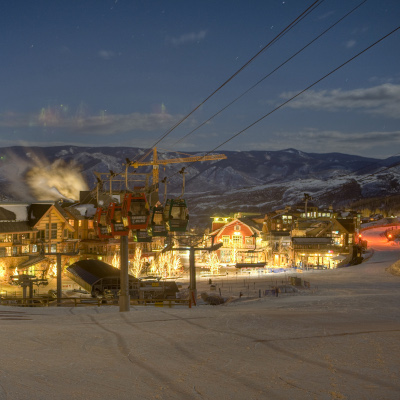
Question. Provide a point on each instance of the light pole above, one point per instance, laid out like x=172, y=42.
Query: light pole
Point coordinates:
x=59, y=267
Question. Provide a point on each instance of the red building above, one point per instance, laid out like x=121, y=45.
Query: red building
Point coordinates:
x=239, y=237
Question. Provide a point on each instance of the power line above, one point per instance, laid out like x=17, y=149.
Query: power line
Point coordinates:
x=165, y=134
x=304, y=90
x=270, y=73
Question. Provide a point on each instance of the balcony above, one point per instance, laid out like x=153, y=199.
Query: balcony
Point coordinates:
x=238, y=246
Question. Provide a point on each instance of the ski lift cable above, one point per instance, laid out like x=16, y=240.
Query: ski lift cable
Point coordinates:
x=288, y=27
x=302, y=91
x=270, y=73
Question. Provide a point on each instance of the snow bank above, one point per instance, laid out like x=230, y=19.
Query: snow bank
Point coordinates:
x=394, y=269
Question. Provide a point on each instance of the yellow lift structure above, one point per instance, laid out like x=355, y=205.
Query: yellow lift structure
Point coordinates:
x=156, y=162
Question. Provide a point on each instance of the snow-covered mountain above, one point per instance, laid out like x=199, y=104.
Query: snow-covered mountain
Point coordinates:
x=256, y=181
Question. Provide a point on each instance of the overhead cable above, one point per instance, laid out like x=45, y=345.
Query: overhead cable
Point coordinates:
x=301, y=92
x=270, y=73
x=165, y=134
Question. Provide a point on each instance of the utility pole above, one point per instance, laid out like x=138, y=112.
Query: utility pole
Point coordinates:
x=124, y=297
x=191, y=246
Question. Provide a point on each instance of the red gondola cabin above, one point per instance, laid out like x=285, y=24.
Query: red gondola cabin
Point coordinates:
x=100, y=224
x=114, y=220
x=135, y=211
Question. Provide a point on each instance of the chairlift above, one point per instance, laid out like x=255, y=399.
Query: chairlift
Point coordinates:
x=135, y=211
x=100, y=224
x=142, y=235
x=114, y=220
x=176, y=215
x=158, y=223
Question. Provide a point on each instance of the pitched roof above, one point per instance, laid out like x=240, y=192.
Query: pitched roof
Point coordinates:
x=251, y=224
x=312, y=240
x=36, y=212
x=348, y=224
x=16, y=227
x=91, y=271
x=7, y=215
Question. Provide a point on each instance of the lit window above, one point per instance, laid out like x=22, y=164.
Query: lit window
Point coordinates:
x=237, y=239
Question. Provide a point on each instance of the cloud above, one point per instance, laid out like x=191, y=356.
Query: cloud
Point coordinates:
x=188, y=38
x=103, y=125
x=106, y=54
x=380, y=100
x=350, y=43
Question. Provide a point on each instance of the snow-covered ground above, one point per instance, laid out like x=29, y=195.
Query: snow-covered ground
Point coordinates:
x=338, y=340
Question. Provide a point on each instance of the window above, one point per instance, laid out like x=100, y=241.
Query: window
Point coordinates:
x=54, y=231
x=66, y=233
x=350, y=238
x=237, y=228
x=34, y=248
x=71, y=222
x=25, y=249
x=53, y=248
x=237, y=239
x=80, y=222
x=249, y=240
x=90, y=224
x=225, y=240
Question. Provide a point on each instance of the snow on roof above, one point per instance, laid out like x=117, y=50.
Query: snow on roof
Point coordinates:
x=20, y=210
x=86, y=210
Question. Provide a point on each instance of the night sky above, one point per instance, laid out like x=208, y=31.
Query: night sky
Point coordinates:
x=124, y=72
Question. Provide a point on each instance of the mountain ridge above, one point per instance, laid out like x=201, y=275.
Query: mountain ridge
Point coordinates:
x=247, y=180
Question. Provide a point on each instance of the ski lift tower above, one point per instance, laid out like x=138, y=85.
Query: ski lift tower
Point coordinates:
x=189, y=243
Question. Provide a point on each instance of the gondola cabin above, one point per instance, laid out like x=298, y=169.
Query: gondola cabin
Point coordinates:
x=176, y=215
x=114, y=220
x=158, y=225
x=142, y=235
x=100, y=224
x=135, y=210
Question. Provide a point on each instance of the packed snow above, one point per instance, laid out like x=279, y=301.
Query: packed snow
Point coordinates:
x=337, y=340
